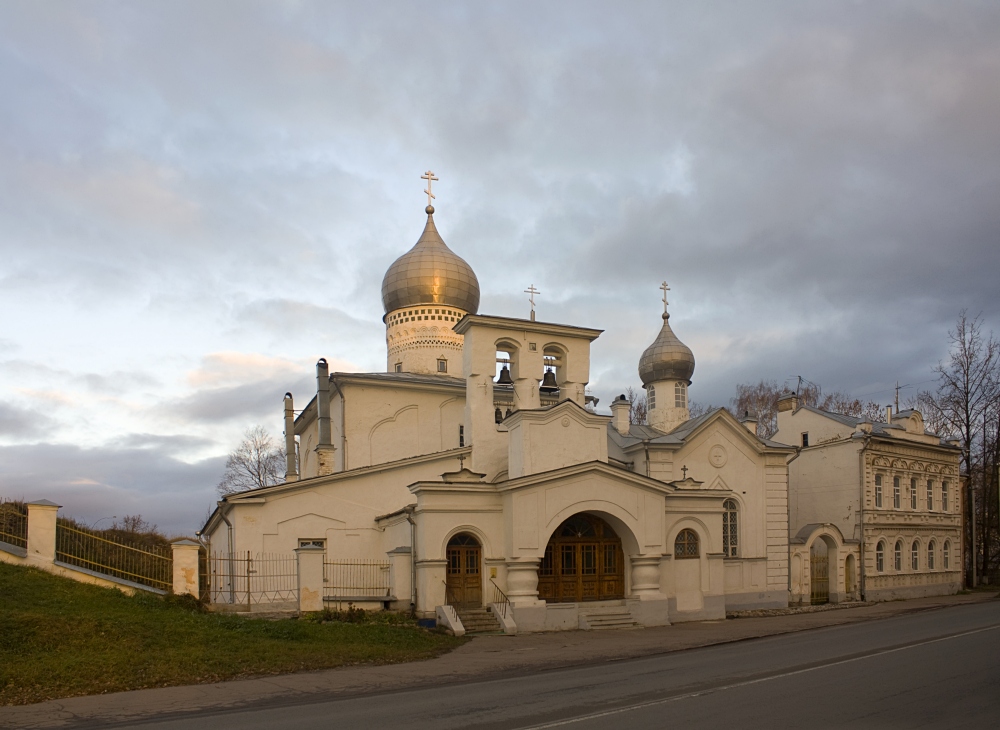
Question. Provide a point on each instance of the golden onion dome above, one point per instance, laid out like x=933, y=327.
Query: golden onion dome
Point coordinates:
x=430, y=273
x=667, y=358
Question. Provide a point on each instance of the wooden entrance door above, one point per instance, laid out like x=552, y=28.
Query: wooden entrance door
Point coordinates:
x=819, y=572
x=583, y=562
x=465, y=580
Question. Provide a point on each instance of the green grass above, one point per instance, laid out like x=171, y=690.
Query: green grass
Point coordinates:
x=60, y=638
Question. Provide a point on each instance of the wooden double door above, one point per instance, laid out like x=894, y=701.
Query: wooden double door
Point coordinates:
x=583, y=562
x=464, y=583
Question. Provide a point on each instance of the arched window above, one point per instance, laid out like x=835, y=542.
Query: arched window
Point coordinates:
x=897, y=556
x=915, y=556
x=686, y=544
x=930, y=555
x=680, y=395
x=895, y=492
x=880, y=557
x=913, y=494
x=650, y=397
x=878, y=490
x=730, y=528
x=946, y=555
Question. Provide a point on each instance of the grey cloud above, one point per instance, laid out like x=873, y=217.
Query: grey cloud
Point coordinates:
x=100, y=482
x=241, y=403
x=22, y=423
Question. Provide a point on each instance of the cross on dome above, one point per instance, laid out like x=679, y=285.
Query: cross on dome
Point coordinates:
x=430, y=178
x=665, y=289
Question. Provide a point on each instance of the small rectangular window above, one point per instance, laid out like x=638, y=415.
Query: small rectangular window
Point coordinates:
x=878, y=490
x=805, y=440
x=461, y=436
x=650, y=397
x=913, y=494
x=399, y=367
x=312, y=543
x=442, y=365
x=895, y=492
x=944, y=496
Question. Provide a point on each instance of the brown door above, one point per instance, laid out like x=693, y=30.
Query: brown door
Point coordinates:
x=819, y=572
x=583, y=562
x=465, y=580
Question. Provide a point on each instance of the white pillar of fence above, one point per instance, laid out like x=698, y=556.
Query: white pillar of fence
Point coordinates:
x=185, y=554
x=42, y=531
x=310, y=567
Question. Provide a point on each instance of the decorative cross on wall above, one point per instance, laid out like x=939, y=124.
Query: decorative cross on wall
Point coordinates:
x=685, y=470
x=429, y=177
x=665, y=289
x=461, y=462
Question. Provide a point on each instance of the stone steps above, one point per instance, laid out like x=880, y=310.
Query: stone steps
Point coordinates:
x=479, y=621
x=604, y=619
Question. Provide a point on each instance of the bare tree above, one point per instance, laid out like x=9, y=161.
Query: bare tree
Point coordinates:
x=760, y=398
x=846, y=404
x=637, y=406
x=258, y=461
x=966, y=404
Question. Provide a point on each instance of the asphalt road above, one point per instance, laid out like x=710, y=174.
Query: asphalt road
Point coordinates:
x=933, y=669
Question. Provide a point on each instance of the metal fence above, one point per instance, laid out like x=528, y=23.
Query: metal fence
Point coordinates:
x=147, y=565
x=357, y=580
x=252, y=578
x=14, y=523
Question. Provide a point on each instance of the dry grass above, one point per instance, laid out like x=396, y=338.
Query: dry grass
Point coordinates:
x=59, y=638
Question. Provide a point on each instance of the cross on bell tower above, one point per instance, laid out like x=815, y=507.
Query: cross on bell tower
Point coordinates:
x=531, y=291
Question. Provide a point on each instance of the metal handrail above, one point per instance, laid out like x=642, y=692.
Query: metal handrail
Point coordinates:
x=500, y=599
x=150, y=566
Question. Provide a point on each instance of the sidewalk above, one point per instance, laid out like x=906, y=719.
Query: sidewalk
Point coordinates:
x=483, y=657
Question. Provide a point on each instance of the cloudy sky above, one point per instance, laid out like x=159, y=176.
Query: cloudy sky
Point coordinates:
x=198, y=200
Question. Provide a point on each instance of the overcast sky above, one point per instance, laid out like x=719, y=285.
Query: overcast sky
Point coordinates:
x=198, y=200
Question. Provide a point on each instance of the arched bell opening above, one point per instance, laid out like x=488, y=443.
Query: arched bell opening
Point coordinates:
x=464, y=581
x=583, y=561
x=503, y=382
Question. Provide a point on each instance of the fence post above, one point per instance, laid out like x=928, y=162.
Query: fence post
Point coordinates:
x=185, y=566
x=42, y=531
x=310, y=568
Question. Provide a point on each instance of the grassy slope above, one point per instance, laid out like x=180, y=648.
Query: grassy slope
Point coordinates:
x=59, y=638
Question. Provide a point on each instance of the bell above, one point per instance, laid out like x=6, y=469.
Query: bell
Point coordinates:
x=509, y=411
x=504, y=378
x=498, y=415
x=549, y=381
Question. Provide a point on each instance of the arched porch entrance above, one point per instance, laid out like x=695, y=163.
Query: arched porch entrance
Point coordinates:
x=464, y=583
x=583, y=562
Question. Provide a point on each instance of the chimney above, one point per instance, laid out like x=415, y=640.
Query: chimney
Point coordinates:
x=619, y=414
x=888, y=414
x=749, y=420
x=788, y=401
x=324, y=445
x=291, y=466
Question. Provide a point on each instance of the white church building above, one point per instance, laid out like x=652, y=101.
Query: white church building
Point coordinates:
x=476, y=466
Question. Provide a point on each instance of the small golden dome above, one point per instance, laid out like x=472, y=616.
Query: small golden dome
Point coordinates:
x=667, y=358
x=430, y=273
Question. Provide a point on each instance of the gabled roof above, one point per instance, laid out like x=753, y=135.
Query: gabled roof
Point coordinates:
x=878, y=428
x=641, y=433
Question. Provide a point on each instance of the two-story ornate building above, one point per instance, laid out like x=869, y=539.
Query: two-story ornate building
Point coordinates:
x=874, y=508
